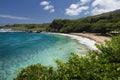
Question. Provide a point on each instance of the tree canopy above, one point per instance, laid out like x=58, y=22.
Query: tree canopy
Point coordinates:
x=99, y=24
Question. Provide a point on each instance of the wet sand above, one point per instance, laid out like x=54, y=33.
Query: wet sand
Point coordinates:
x=96, y=37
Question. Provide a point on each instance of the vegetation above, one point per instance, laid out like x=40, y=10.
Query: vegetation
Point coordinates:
x=101, y=24
x=97, y=65
x=28, y=27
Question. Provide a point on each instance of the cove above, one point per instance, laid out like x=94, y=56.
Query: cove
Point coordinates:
x=20, y=49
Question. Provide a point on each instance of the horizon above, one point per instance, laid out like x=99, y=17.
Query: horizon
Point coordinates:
x=45, y=11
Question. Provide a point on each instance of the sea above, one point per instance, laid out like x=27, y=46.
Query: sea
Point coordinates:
x=21, y=49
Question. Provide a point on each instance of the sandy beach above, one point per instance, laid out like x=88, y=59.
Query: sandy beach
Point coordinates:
x=98, y=38
x=88, y=39
x=82, y=40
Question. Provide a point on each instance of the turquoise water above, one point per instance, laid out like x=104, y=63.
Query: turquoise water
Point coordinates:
x=20, y=49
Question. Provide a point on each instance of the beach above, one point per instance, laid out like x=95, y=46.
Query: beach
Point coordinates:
x=88, y=39
x=96, y=37
x=82, y=40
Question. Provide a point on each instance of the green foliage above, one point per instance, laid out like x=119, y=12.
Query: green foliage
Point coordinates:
x=28, y=27
x=36, y=72
x=101, y=24
x=97, y=65
x=111, y=50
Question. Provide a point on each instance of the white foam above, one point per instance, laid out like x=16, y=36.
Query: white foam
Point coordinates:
x=8, y=30
x=82, y=40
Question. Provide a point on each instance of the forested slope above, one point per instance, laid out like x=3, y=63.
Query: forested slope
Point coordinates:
x=102, y=23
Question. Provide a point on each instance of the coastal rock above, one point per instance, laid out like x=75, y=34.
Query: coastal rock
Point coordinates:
x=34, y=31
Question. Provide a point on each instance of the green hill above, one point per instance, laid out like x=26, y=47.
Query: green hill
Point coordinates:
x=102, y=23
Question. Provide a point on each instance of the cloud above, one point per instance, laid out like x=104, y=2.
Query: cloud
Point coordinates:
x=84, y=1
x=47, y=6
x=96, y=7
x=14, y=17
x=76, y=9
x=74, y=6
x=102, y=6
x=44, y=3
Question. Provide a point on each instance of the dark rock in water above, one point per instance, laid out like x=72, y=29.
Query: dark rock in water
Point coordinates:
x=38, y=31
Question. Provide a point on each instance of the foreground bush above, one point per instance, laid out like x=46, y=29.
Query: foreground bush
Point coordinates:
x=97, y=65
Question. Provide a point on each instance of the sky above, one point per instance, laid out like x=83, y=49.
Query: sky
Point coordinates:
x=45, y=11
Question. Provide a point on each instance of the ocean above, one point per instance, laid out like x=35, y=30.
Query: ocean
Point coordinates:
x=21, y=49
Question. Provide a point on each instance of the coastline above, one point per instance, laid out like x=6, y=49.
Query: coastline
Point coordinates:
x=88, y=39
x=94, y=36
x=82, y=40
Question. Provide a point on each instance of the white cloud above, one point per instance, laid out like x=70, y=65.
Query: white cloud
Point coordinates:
x=74, y=6
x=97, y=7
x=43, y=3
x=47, y=6
x=14, y=17
x=84, y=1
x=76, y=9
x=102, y=6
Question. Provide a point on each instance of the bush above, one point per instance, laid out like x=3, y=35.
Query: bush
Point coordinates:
x=97, y=65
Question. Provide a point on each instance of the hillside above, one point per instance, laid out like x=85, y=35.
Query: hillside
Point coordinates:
x=102, y=23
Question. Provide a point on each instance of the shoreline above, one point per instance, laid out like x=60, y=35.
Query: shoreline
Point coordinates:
x=82, y=40
x=93, y=36
x=88, y=39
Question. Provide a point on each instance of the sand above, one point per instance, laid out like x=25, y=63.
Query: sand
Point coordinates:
x=96, y=37
x=82, y=40
x=88, y=39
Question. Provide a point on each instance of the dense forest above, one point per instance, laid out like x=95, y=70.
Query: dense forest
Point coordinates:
x=102, y=23
x=97, y=65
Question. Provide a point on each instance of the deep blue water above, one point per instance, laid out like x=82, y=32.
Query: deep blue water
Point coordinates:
x=20, y=49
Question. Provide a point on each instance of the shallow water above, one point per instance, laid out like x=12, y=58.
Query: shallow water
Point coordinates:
x=20, y=49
